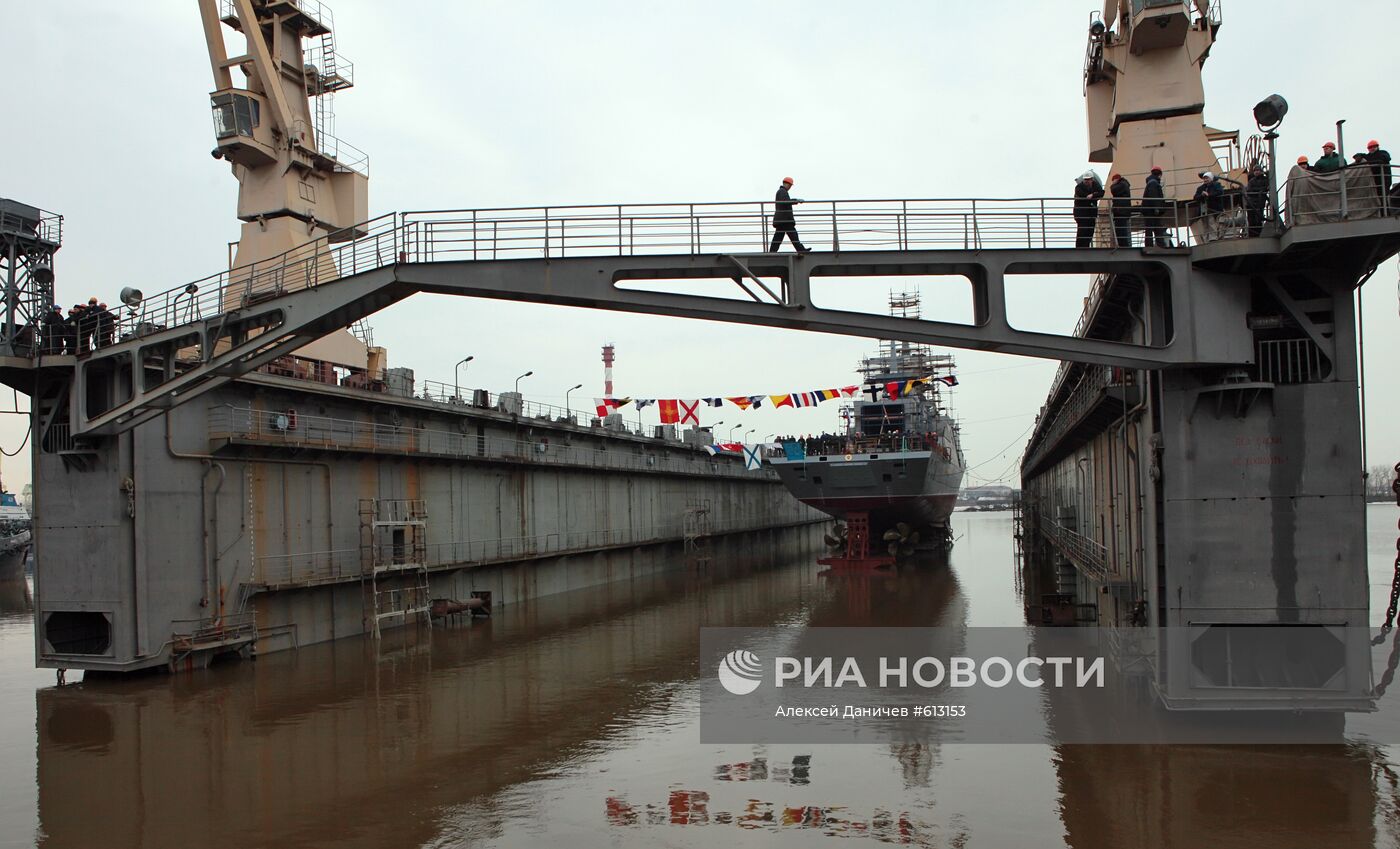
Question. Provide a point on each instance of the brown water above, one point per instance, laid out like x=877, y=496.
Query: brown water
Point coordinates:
x=572, y=722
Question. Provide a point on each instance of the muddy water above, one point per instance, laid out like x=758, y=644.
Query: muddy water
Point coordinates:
x=572, y=722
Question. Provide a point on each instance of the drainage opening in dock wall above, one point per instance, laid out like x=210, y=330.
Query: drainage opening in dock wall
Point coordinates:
x=75, y=632
x=1289, y=657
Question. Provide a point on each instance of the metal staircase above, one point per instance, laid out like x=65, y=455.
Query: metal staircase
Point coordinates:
x=394, y=562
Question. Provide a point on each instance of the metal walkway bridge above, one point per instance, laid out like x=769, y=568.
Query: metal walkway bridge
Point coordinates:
x=186, y=341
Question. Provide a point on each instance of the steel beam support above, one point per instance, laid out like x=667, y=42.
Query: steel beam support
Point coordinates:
x=1205, y=312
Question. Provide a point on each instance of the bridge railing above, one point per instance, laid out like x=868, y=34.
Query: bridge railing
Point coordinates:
x=739, y=227
x=363, y=247
x=736, y=227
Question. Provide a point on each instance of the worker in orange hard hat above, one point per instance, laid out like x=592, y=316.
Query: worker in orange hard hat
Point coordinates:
x=1379, y=160
x=1329, y=161
x=784, y=223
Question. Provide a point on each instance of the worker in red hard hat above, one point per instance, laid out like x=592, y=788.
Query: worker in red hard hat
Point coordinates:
x=1329, y=161
x=784, y=223
x=1379, y=160
x=1154, y=210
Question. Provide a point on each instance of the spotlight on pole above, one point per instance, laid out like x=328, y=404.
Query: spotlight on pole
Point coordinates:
x=1269, y=112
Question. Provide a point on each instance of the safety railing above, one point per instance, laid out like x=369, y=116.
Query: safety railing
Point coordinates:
x=732, y=228
x=1353, y=192
x=1290, y=361
x=312, y=567
x=58, y=438
x=337, y=566
x=347, y=157
x=314, y=10
x=460, y=396
x=737, y=227
x=1087, y=392
x=363, y=247
x=31, y=222
x=192, y=634
x=279, y=429
x=1089, y=555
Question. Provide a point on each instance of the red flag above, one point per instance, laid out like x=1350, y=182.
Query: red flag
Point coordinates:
x=670, y=414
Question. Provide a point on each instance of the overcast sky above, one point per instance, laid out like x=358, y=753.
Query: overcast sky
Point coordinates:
x=477, y=104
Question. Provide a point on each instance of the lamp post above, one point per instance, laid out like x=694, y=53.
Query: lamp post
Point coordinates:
x=520, y=378
x=734, y=428
x=456, y=382
x=746, y=434
x=712, y=427
x=568, y=412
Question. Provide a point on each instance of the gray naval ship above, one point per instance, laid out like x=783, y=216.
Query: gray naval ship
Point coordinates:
x=899, y=465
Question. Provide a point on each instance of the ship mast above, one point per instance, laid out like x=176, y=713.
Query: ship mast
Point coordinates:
x=297, y=183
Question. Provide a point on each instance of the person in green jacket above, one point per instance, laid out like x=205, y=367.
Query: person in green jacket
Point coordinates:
x=1329, y=161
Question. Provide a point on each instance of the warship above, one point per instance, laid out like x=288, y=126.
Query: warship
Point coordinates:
x=14, y=538
x=895, y=473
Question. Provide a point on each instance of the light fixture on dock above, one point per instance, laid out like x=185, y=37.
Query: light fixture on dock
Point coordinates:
x=1269, y=112
x=520, y=378
x=456, y=384
x=131, y=296
x=42, y=273
x=568, y=411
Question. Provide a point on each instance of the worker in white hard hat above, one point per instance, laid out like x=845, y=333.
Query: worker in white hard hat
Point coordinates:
x=1088, y=189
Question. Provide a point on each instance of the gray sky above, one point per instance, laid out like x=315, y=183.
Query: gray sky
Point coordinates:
x=481, y=104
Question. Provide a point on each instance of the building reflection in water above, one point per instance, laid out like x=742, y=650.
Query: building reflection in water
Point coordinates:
x=353, y=744
x=498, y=731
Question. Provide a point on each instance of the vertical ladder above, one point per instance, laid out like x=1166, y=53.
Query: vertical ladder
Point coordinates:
x=696, y=534
x=394, y=562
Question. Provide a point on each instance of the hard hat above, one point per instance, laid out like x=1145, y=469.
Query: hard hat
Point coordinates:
x=787, y=180
x=1206, y=175
x=1373, y=143
x=1328, y=146
x=1302, y=160
x=1156, y=169
x=1088, y=175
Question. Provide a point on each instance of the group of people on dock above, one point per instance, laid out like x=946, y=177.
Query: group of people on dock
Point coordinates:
x=85, y=328
x=1209, y=197
x=1156, y=211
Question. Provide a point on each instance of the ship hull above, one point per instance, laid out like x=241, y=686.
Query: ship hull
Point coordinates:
x=917, y=488
x=14, y=550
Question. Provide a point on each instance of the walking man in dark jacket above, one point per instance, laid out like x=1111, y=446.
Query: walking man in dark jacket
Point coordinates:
x=1154, y=209
x=784, y=224
x=1122, y=210
x=1256, y=193
x=1087, y=192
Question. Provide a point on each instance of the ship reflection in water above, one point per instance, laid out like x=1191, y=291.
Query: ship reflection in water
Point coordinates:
x=572, y=721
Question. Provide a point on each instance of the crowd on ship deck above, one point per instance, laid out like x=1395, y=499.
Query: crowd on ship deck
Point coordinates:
x=833, y=443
